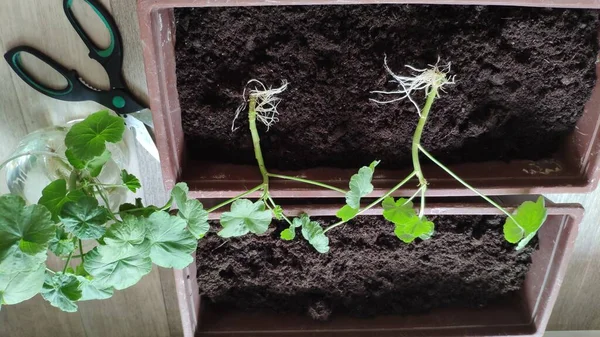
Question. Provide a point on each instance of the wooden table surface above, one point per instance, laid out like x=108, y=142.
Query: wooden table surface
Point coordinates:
x=149, y=308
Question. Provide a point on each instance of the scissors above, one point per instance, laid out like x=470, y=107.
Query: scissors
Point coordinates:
x=118, y=98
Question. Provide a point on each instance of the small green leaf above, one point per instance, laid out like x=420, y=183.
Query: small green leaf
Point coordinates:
x=126, y=236
x=131, y=181
x=245, y=217
x=314, y=234
x=399, y=212
x=172, y=244
x=91, y=291
x=191, y=210
x=414, y=228
x=288, y=234
x=346, y=213
x=360, y=185
x=55, y=195
x=25, y=233
x=62, y=291
x=116, y=269
x=87, y=139
x=278, y=212
x=20, y=286
x=84, y=218
x=138, y=210
x=93, y=166
x=61, y=245
x=529, y=216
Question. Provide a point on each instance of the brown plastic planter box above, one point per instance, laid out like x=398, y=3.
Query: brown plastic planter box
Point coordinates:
x=525, y=314
x=574, y=168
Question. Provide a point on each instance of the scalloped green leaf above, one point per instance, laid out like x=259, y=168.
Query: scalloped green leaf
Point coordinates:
x=529, y=216
x=360, y=185
x=87, y=139
x=84, y=218
x=62, y=291
x=171, y=243
x=245, y=217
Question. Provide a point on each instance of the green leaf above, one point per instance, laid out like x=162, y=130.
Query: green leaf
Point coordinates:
x=91, y=291
x=93, y=166
x=408, y=224
x=172, y=244
x=313, y=233
x=62, y=291
x=346, y=213
x=25, y=232
x=289, y=234
x=61, y=245
x=84, y=218
x=126, y=236
x=529, y=216
x=245, y=217
x=55, y=195
x=138, y=210
x=191, y=210
x=87, y=139
x=20, y=286
x=360, y=185
x=414, y=228
x=399, y=212
x=131, y=181
x=116, y=269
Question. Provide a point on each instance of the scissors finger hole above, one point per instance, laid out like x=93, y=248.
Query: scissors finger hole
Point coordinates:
x=40, y=72
x=92, y=24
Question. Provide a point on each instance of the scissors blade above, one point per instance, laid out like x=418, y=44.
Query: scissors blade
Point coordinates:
x=143, y=132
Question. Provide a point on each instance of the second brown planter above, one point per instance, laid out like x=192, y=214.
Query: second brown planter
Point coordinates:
x=524, y=314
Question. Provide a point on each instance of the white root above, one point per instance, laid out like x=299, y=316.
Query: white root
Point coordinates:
x=266, y=102
x=421, y=79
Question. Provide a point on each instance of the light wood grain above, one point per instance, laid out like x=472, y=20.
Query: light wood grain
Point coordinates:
x=150, y=307
x=137, y=311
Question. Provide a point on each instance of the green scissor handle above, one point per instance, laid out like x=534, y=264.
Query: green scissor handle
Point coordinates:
x=110, y=58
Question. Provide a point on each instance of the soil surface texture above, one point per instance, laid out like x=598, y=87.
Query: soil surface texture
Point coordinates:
x=367, y=272
x=523, y=76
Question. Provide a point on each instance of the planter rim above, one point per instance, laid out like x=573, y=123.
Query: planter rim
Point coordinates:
x=575, y=168
x=538, y=295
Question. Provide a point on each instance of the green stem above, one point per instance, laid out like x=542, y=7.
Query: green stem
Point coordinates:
x=256, y=143
x=282, y=215
x=492, y=202
x=30, y=153
x=67, y=263
x=50, y=271
x=81, y=251
x=229, y=201
x=306, y=181
x=105, y=200
x=374, y=203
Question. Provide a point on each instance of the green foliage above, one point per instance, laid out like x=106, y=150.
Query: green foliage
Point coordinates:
x=408, y=224
x=68, y=212
x=360, y=185
x=529, y=218
x=191, y=210
x=62, y=291
x=171, y=244
x=25, y=233
x=289, y=234
x=84, y=218
x=314, y=234
x=245, y=217
x=130, y=181
x=55, y=195
x=19, y=286
x=87, y=139
x=62, y=244
x=346, y=213
x=116, y=268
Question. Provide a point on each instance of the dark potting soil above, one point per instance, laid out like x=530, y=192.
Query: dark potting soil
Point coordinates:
x=367, y=272
x=523, y=76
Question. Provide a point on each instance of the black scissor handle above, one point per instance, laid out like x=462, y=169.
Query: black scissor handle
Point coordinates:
x=111, y=58
x=69, y=93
